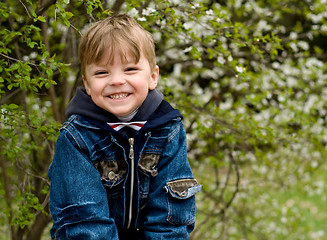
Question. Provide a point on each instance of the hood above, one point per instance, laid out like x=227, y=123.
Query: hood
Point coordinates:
x=154, y=109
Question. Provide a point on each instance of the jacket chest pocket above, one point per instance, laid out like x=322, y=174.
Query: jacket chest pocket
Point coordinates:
x=113, y=172
x=109, y=160
x=147, y=169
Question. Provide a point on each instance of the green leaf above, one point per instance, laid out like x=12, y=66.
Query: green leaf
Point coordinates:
x=53, y=82
x=45, y=55
x=31, y=44
x=67, y=23
x=89, y=9
x=41, y=18
x=49, y=72
x=12, y=106
x=69, y=15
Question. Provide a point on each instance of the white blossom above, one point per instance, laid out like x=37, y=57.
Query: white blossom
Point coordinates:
x=188, y=25
x=195, y=6
x=133, y=12
x=142, y=19
x=148, y=11
x=240, y=69
x=221, y=60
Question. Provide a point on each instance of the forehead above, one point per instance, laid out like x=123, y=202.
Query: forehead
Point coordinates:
x=121, y=55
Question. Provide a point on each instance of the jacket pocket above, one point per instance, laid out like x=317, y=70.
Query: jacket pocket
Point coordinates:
x=181, y=201
x=112, y=172
x=113, y=175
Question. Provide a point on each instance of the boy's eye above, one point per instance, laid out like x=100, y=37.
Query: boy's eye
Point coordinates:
x=130, y=69
x=100, y=73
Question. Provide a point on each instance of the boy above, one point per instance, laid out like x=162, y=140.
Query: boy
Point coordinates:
x=120, y=169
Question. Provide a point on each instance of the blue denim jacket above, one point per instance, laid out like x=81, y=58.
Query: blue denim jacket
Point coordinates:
x=105, y=185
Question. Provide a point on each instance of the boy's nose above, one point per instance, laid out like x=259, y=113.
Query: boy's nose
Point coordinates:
x=117, y=79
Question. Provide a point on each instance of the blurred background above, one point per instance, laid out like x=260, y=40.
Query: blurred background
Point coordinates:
x=250, y=78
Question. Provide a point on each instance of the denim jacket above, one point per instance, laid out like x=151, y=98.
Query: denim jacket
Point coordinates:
x=108, y=185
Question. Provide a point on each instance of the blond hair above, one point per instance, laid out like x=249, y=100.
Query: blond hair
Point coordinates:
x=118, y=32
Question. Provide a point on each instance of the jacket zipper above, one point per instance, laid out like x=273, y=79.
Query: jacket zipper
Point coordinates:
x=131, y=157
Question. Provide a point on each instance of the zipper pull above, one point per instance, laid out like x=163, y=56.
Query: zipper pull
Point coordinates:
x=131, y=149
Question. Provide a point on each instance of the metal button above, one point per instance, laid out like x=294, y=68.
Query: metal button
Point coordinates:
x=111, y=175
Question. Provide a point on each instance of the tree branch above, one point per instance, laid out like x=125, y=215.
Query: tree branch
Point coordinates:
x=117, y=5
x=45, y=6
x=7, y=193
x=51, y=91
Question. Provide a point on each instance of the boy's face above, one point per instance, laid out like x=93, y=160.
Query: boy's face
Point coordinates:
x=120, y=88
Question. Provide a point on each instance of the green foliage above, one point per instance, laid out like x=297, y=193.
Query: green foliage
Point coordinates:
x=28, y=204
x=249, y=77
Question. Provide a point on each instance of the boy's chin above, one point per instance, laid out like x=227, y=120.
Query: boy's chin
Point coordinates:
x=123, y=114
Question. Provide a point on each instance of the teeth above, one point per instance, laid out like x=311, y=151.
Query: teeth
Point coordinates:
x=118, y=96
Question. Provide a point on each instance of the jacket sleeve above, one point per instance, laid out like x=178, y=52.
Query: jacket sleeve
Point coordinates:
x=78, y=200
x=171, y=209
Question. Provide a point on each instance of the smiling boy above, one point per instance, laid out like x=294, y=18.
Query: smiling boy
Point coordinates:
x=120, y=87
x=120, y=170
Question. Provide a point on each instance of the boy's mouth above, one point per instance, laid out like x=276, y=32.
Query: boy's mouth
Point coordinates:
x=118, y=96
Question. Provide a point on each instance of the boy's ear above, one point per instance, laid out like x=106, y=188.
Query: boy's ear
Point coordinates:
x=154, y=78
x=86, y=85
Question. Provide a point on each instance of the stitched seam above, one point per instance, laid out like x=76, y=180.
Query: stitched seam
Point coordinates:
x=175, y=131
x=70, y=129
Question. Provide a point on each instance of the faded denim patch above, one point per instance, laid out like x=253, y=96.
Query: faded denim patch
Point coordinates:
x=183, y=188
x=148, y=163
x=111, y=171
